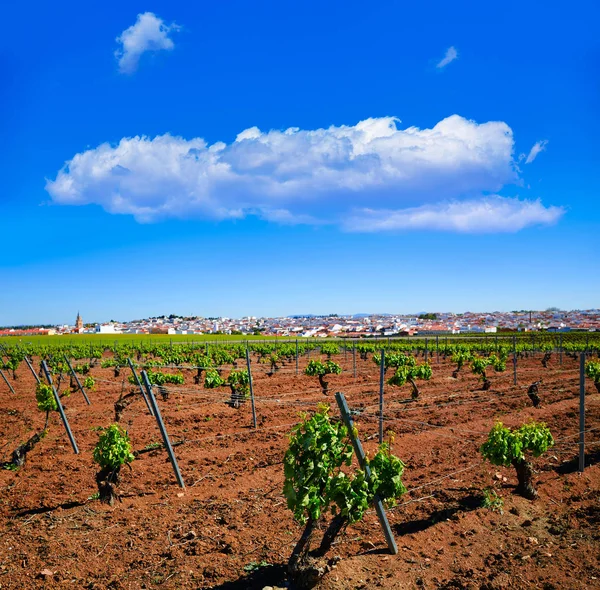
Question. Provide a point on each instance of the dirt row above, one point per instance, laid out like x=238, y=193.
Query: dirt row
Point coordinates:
x=230, y=527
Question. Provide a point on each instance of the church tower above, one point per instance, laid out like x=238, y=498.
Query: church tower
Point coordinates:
x=78, y=323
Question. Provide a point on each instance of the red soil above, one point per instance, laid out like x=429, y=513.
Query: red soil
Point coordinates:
x=232, y=516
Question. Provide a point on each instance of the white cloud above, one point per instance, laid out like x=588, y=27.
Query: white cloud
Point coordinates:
x=451, y=55
x=488, y=215
x=293, y=176
x=149, y=33
x=538, y=147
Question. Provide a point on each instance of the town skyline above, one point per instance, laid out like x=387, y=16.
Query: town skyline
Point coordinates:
x=353, y=325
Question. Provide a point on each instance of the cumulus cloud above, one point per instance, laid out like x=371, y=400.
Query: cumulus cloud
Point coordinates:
x=296, y=176
x=451, y=55
x=488, y=215
x=538, y=147
x=149, y=33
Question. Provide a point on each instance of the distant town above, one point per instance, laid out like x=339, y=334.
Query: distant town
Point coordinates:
x=350, y=326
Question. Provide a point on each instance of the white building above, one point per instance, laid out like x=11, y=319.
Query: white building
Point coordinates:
x=106, y=329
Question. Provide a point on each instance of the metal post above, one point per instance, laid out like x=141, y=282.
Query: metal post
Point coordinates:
x=582, y=412
x=296, y=356
x=354, y=359
x=360, y=455
x=251, y=388
x=163, y=430
x=77, y=380
x=139, y=383
x=437, y=349
x=7, y=383
x=32, y=370
x=61, y=410
x=381, y=383
x=426, y=349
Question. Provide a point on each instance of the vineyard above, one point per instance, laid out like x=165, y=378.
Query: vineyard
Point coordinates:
x=143, y=464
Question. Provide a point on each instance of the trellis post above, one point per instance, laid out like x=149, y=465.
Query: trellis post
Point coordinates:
x=77, y=380
x=7, y=382
x=137, y=380
x=251, y=387
x=61, y=410
x=360, y=455
x=514, y=360
x=163, y=430
x=32, y=369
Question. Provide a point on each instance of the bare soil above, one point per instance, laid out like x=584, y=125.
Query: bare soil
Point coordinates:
x=230, y=528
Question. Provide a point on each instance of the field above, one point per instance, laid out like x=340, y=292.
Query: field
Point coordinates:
x=230, y=527
x=110, y=339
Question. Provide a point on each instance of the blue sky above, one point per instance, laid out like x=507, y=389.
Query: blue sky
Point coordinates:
x=263, y=158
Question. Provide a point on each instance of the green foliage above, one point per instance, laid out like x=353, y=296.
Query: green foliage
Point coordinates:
x=315, y=482
x=428, y=316
x=411, y=371
x=393, y=360
x=109, y=363
x=89, y=383
x=592, y=370
x=498, y=362
x=44, y=396
x=330, y=348
x=317, y=367
x=239, y=381
x=318, y=448
x=460, y=357
x=492, y=501
x=212, y=379
x=14, y=358
x=160, y=378
x=113, y=449
x=478, y=365
x=82, y=369
x=386, y=474
x=504, y=446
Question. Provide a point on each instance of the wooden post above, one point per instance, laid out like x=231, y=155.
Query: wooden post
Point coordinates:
x=137, y=380
x=251, y=387
x=77, y=380
x=296, y=356
x=360, y=455
x=426, y=349
x=381, y=383
x=437, y=349
x=582, y=412
x=163, y=430
x=61, y=410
